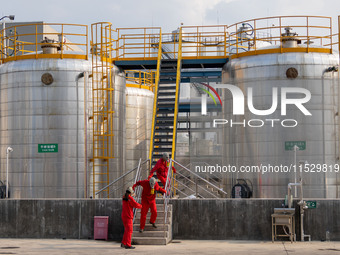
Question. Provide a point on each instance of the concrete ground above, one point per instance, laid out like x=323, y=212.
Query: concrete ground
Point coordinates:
x=98, y=247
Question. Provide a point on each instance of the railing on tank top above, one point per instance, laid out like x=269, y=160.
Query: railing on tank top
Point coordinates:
x=125, y=183
x=248, y=37
x=25, y=41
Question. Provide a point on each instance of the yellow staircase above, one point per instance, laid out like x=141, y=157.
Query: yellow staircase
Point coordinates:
x=164, y=124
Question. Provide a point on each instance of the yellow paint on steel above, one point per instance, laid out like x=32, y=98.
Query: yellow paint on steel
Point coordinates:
x=281, y=50
x=215, y=42
x=102, y=102
x=140, y=79
x=159, y=59
x=178, y=82
x=41, y=56
x=339, y=35
x=130, y=85
x=14, y=39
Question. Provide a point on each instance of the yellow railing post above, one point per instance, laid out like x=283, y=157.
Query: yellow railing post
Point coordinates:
x=339, y=35
x=307, y=20
x=331, y=35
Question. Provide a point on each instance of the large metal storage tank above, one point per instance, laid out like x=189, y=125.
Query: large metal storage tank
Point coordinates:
x=139, y=111
x=267, y=145
x=118, y=164
x=42, y=110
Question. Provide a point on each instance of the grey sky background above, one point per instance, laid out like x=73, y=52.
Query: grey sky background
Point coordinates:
x=166, y=14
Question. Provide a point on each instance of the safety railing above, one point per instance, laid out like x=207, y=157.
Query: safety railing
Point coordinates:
x=197, y=186
x=204, y=41
x=209, y=176
x=335, y=42
x=44, y=40
x=141, y=79
x=167, y=194
x=118, y=186
x=197, y=42
x=136, y=43
x=272, y=34
x=192, y=185
x=255, y=36
x=138, y=190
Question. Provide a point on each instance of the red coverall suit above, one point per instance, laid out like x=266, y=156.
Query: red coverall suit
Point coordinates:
x=148, y=201
x=127, y=218
x=161, y=169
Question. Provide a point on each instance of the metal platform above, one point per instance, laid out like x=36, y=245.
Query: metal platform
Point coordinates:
x=200, y=63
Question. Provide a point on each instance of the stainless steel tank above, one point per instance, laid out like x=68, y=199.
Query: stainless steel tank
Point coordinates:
x=118, y=164
x=42, y=119
x=245, y=145
x=139, y=111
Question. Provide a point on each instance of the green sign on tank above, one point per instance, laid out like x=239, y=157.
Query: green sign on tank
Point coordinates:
x=311, y=204
x=289, y=145
x=47, y=148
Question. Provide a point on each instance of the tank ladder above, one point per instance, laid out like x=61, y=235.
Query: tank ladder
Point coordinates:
x=164, y=124
x=102, y=103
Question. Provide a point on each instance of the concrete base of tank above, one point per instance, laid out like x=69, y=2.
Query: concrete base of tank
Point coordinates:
x=227, y=219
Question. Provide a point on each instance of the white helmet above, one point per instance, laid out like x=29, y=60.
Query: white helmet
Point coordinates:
x=152, y=182
x=165, y=156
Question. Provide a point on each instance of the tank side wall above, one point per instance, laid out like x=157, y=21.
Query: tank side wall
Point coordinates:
x=33, y=113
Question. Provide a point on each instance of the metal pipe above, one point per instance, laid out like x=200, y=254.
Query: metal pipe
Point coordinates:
x=337, y=192
x=8, y=151
x=79, y=76
x=11, y=17
x=301, y=224
x=290, y=191
x=85, y=134
x=296, y=148
x=327, y=70
x=7, y=174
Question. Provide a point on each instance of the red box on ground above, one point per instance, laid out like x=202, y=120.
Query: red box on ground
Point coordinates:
x=100, y=227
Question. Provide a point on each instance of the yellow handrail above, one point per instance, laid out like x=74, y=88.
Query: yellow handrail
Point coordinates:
x=140, y=79
x=178, y=82
x=253, y=36
x=24, y=41
x=159, y=59
x=222, y=41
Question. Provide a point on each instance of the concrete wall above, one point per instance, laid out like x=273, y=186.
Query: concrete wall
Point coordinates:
x=248, y=219
x=58, y=218
x=192, y=219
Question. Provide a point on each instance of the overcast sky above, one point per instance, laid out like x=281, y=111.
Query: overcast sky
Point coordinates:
x=166, y=14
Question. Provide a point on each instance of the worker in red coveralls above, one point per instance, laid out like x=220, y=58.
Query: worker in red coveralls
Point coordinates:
x=161, y=168
x=148, y=201
x=127, y=217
